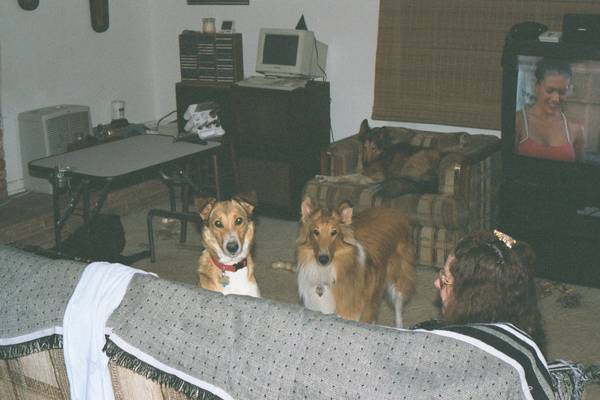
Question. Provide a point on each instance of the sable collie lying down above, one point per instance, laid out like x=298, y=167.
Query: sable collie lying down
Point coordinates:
x=226, y=264
x=346, y=263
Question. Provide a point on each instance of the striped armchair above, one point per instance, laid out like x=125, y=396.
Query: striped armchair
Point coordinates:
x=467, y=197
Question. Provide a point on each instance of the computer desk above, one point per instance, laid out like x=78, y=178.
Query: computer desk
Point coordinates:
x=104, y=164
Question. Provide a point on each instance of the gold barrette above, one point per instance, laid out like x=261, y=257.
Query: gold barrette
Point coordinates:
x=504, y=238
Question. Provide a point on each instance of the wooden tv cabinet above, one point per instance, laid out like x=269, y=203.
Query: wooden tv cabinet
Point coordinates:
x=562, y=227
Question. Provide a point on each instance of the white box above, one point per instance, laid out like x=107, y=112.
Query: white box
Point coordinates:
x=47, y=131
x=550, y=37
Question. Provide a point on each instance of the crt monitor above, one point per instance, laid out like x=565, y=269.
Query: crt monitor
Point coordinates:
x=290, y=53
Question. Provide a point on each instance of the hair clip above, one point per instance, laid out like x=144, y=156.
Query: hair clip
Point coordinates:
x=504, y=238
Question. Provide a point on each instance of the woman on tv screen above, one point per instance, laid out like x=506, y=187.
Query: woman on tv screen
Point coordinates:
x=542, y=128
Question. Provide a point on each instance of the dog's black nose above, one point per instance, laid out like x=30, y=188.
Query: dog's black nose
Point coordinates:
x=232, y=247
x=323, y=259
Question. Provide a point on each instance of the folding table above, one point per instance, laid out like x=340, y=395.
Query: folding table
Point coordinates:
x=104, y=164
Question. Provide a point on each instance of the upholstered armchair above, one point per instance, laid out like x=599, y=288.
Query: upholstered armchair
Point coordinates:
x=466, y=199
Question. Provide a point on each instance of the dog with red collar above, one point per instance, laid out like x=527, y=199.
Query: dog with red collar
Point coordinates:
x=226, y=264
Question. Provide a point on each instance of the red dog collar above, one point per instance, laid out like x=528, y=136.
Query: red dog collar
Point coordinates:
x=230, y=267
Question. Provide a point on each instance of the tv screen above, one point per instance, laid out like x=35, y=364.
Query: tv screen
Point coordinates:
x=557, y=109
x=280, y=49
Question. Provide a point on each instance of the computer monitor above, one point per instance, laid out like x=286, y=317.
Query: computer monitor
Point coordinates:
x=290, y=53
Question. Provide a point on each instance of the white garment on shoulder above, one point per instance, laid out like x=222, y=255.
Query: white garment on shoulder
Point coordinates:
x=97, y=294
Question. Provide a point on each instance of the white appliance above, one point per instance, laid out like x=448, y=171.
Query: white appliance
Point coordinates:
x=47, y=131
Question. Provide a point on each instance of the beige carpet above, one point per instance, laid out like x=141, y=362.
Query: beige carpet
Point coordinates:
x=573, y=332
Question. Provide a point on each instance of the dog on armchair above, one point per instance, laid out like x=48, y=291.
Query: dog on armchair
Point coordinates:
x=398, y=167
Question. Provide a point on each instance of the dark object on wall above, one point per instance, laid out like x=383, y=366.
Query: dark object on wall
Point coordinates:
x=581, y=28
x=99, y=15
x=29, y=4
x=218, y=2
x=527, y=30
x=105, y=241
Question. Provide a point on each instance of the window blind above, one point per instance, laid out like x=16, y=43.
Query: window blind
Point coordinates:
x=438, y=61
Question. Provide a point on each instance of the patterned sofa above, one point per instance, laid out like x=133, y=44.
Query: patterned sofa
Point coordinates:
x=170, y=341
x=466, y=200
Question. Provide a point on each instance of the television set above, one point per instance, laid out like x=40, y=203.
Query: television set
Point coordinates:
x=290, y=53
x=552, y=201
x=580, y=104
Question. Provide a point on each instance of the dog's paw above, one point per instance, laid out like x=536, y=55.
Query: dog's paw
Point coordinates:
x=283, y=265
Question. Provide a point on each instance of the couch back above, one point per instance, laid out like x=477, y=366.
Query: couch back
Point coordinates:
x=169, y=339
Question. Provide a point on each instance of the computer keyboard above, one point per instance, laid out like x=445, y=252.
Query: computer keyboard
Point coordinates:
x=271, y=82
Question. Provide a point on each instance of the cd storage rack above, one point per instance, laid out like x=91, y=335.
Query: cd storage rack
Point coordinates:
x=211, y=57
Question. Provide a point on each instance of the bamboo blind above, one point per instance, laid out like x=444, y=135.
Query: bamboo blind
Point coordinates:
x=438, y=61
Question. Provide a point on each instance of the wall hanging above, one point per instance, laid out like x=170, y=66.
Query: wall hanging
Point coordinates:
x=99, y=15
x=221, y=2
x=29, y=4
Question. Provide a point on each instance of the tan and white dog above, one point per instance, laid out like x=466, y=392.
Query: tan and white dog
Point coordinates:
x=226, y=264
x=347, y=263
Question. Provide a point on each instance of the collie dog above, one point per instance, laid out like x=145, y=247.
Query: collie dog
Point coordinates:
x=347, y=263
x=399, y=167
x=226, y=264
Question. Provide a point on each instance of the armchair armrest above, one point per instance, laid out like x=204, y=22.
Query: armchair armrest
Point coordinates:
x=472, y=178
x=341, y=157
x=468, y=161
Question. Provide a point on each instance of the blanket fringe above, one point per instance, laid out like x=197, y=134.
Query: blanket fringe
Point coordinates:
x=33, y=346
x=592, y=374
x=126, y=360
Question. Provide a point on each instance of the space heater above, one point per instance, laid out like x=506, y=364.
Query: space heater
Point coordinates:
x=48, y=131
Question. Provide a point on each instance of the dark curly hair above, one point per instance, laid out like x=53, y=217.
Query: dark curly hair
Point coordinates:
x=494, y=283
x=550, y=66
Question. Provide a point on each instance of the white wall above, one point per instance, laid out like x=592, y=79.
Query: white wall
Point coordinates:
x=52, y=56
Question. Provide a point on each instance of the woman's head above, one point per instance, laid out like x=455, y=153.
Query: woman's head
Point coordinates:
x=552, y=82
x=550, y=66
x=489, y=278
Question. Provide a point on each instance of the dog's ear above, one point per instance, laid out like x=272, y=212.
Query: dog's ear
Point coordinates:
x=306, y=208
x=204, y=206
x=247, y=200
x=249, y=197
x=364, y=130
x=345, y=210
x=382, y=137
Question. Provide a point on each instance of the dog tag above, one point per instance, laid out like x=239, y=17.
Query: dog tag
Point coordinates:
x=319, y=289
x=224, y=280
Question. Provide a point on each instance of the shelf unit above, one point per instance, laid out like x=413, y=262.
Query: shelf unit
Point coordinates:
x=211, y=57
